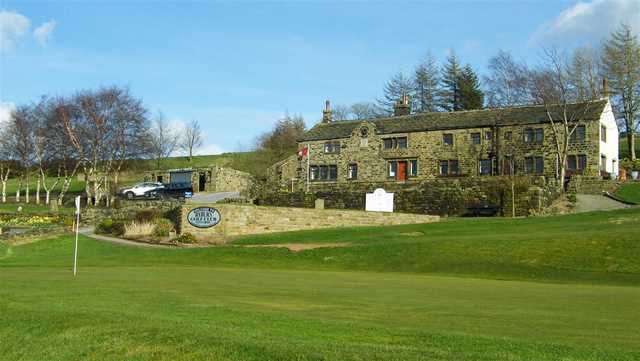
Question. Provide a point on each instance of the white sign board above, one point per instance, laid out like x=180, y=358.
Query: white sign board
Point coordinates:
x=379, y=201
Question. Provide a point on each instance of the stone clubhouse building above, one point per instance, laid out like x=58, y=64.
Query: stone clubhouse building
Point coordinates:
x=408, y=148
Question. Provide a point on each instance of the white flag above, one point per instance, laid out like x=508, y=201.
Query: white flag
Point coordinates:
x=78, y=205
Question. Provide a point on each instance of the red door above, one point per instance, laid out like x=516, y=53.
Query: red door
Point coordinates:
x=402, y=171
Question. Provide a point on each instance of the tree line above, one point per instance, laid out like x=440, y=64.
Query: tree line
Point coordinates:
x=95, y=133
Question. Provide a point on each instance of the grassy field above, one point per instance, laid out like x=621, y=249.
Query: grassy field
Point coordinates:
x=12, y=186
x=464, y=289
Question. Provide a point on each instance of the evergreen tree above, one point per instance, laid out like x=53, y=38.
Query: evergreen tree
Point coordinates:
x=471, y=96
x=426, y=85
x=394, y=89
x=450, y=92
x=621, y=60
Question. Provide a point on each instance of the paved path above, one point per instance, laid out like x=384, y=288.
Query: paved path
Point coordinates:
x=213, y=197
x=590, y=202
x=89, y=233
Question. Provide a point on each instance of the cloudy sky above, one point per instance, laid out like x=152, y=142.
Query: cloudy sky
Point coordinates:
x=237, y=67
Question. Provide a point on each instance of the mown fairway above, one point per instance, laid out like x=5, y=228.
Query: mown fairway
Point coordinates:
x=459, y=290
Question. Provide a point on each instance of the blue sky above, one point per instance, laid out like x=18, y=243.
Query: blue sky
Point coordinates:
x=238, y=67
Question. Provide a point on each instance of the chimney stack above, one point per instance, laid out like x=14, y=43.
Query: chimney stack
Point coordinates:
x=326, y=113
x=605, y=87
x=402, y=107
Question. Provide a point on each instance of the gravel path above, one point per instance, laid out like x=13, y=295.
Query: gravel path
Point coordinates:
x=213, y=197
x=589, y=202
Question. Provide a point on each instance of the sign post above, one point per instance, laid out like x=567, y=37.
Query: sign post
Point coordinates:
x=75, y=252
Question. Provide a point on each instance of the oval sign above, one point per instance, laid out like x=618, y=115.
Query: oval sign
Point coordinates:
x=203, y=217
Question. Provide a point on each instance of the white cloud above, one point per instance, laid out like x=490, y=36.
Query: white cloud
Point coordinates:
x=43, y=33
x=5, y=112
x=13, y=27
x=590, y=21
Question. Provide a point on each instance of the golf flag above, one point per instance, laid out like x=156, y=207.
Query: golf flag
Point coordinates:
x=75, y=250
x=78, y=205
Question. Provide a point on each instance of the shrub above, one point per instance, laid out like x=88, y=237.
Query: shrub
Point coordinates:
x=162, y=227
x=147, y=215
x=185, y=238
x=571, y=197
x=630, y=165
x=109, y=226
x=138, y=229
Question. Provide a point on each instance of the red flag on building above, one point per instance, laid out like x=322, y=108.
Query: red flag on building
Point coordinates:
x=303, y=152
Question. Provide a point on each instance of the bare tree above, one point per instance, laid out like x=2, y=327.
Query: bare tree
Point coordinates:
x=192, y=138
x=621, y=60
x=18, y=141
x=551, y=87
x=341, y=112
x=364, y=110
x=164, y=141
x=584, y=73
x=64, y=138
x=43, y=147
x=506, y=83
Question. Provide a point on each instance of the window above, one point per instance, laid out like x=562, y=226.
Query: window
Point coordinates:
x=395, y=143
x=413, y=167
x=447, y=139
x=508, y=165
x=475, y=138
x=332, y=147
x=576, y=163
x=352, y=171
x=578, y=135
x=393, y=169
x=323, y=172
x=603, y=133
x=508, y=135
x=533, y=165
x=533, y=135
x=448, y=167
x=485, y=166
x=488, y=135
x=444, y=167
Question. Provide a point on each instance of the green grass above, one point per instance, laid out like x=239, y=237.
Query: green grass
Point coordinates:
x=388, y=296
x=32, y=208
x=224, y=159
x=12, y=186
x=629, y=192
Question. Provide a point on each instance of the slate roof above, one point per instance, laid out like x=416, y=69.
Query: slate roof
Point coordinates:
x=523, y=115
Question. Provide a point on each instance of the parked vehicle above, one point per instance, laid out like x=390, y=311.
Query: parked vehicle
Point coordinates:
x=178, y=191
x=140, y=189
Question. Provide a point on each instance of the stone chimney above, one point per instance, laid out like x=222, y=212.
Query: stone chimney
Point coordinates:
x=402, y=107
x=326, y=113
x=605, y=87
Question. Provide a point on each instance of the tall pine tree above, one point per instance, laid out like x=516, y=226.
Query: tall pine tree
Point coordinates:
x=471, y=96
x=394, y=89
x=450, y=97
x=426, y=85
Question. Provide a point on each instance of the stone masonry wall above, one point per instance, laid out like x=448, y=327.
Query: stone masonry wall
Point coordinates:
x=126, y=210
x=592, y=185
x=447, y=196
x=240, y=220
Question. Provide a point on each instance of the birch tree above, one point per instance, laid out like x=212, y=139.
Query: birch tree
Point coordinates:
x=192, y=138
x=164, y=141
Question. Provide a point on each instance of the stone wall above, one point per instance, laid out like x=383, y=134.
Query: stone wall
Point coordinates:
x=125, y=211
x=217, y=179
x=240, y=220
x=592, y=185
x=447, y=196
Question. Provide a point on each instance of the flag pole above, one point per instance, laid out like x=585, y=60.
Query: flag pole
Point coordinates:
x=308, y=165
x=75, y=252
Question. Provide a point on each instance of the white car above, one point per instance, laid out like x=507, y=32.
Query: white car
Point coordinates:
x=140, y=189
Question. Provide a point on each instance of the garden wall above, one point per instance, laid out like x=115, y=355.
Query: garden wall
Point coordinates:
x=592, y=185
x=239, y=220
x=125, y=211
x=447, y=196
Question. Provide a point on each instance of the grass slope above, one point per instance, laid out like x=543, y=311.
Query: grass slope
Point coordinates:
x=12, y=186
x=623, y=149
x=235, y=303
x=629, y=192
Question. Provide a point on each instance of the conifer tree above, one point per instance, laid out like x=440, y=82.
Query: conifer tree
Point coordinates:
x=471, y=96
x=426, y=85
x=394, y=89
x=450, y=92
